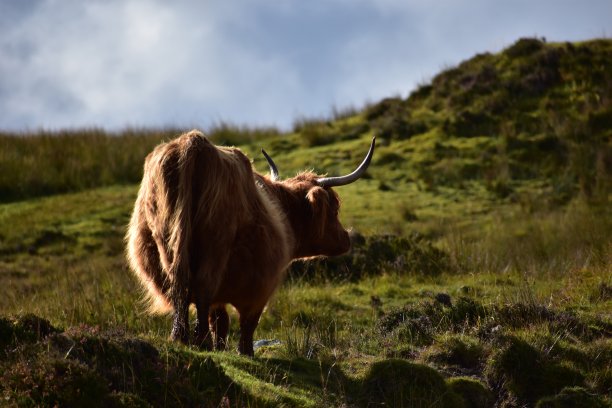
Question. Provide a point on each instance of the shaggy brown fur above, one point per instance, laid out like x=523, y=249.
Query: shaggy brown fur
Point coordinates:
x=206, y=229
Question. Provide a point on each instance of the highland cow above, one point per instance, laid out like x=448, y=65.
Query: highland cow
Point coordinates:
x=209, y=230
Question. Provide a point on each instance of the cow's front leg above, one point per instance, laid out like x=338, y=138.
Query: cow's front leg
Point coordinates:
x=218, y=320
x=248, y=323
x=180, y=323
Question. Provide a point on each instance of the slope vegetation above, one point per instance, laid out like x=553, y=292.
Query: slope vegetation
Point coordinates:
x=479, y=276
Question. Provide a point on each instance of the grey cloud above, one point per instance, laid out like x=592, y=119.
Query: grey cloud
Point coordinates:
x=13, y=11
x=191, y=63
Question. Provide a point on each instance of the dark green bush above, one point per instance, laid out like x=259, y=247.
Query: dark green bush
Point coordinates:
x=316, y=132
x=397, y=127
x=524, y=47
x=386, y=107
x=374, y=255
x=389, y=158
x=469, y=123
x=390, y=120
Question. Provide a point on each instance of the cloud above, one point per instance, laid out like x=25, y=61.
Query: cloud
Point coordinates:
x=139, y=63
x=154, y=63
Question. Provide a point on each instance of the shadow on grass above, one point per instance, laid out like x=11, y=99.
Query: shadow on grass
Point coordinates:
x=83, y=366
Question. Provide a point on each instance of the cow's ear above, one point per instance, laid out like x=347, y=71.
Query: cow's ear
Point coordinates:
x=319, y=202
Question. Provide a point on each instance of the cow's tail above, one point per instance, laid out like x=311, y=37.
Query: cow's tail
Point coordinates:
x=166, y=203
x=178, y=192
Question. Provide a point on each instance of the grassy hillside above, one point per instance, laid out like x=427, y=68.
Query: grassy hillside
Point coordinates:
x=535, y=111
x=480, y=272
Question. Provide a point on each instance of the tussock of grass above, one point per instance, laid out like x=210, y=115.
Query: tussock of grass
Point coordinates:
x=474, y=393
x=399, y=383
x=573, y=397
x=464, y=352
x=469, y=338
x=526, y=374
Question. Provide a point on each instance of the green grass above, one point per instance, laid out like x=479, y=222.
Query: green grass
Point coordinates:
x=481, y=262
x=63, y=261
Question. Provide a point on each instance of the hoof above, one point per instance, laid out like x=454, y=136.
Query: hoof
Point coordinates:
x=246, y=351
x=203, y=344
x=202, y=338
x=221, y=345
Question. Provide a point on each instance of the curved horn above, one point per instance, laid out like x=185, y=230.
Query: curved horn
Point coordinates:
x=349, y=178
x=273, y=169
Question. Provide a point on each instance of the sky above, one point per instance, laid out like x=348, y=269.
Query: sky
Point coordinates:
x=115, y=64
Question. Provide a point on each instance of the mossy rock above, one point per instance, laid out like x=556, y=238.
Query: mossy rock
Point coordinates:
x=573, y=397
x=399, y=383
x=474, y=393
x=523, y=372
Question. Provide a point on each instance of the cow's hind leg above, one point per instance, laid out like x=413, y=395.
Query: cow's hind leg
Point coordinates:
x=218, y=320
x=248, y=322
x=180, y=323
x=203, y=338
